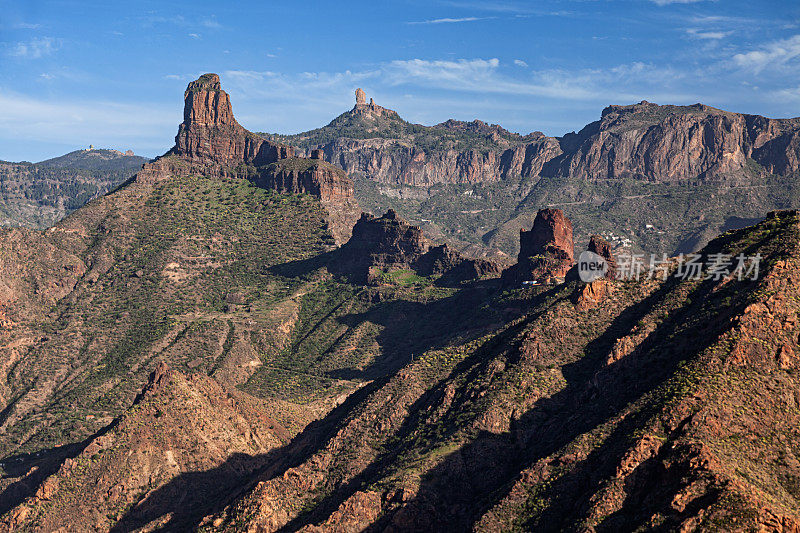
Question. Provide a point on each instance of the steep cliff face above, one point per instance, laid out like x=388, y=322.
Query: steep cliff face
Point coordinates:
x=210, y=142
x=209, y=139
x=397, y=161
x=644, y=141
x=210, y=134
x=673, y=143
x=374, y=141
x=545, y=252
x=389, y=243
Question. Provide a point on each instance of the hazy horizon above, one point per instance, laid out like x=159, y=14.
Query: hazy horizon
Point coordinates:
x=80, y=73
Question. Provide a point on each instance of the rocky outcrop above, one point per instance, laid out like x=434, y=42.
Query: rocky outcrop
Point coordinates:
x=454, y=267
x=296, y=175
x=210, y=142
x=371, y=110
x=546, y=251
x=389, y=243
x=602, y=247
x=591, y=294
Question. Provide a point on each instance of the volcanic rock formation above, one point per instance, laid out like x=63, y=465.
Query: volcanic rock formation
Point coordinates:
x=644, y=141
x=546, y=251
x=390, y=243
x=210, y=142
x=602, y=247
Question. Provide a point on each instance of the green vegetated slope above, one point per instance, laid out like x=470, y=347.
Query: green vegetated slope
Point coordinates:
x=177, y=271
x=211, y=276
x=218, y=279
x=673, y=405
x=38, y=195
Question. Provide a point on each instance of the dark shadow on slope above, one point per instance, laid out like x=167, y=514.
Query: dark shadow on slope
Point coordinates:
x=302, y=268
x=191, y=496
x=594, y=394
x=34, y=468
x=472, y=365
x=410, y=328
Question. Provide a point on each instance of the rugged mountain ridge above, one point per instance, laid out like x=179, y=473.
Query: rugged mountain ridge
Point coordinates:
x=210, y=142
x=677, y=143
x=644, y=141
x=37, y=195
x=642, y=413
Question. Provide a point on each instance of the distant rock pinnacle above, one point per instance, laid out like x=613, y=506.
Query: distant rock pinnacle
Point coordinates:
x=361, y=96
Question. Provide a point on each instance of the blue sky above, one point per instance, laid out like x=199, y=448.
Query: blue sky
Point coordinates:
x=113, y=73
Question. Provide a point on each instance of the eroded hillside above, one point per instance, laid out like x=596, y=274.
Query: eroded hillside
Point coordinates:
x=193, y=351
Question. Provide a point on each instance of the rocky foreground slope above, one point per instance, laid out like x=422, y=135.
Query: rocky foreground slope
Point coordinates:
x=672, y=406
x=191, y=352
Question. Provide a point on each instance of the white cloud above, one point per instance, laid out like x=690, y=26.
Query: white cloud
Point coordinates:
x=26, y=26
x=449, y=20
x=520, y=63
x=35, y=48
x=484, y=76
x=788, y=95
x=144, y=125
x=194, y=35
x=776, y=54
x=668, y=2
x=710, y=35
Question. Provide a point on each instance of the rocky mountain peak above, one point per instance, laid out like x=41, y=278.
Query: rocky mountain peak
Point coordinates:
x=205, y=103
x=389, y=242
x=211, y=142
x=551, y=229
x=371, y=109
x=206, y=82
x=545, y=251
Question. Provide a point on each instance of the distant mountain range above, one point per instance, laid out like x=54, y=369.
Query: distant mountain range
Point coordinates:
x=662, y=178
x=37, y=195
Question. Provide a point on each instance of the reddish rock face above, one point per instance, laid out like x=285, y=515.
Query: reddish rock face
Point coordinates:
x=550, y=229
x=672, y=143
x=390, y=243
x=546, y=251
x=315, y=177
x=210, y=142
x=602, y=247
x=591, y=294
x=642, y=141
x=209, y=132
